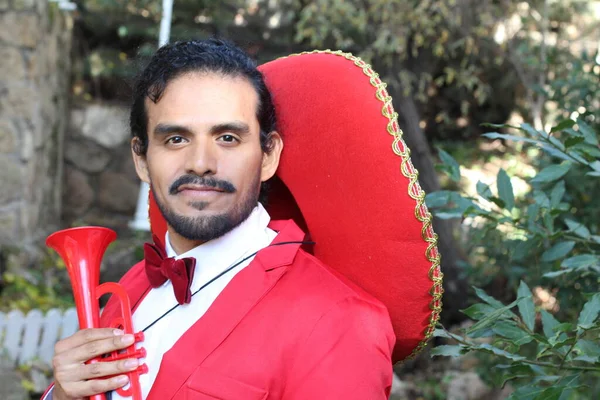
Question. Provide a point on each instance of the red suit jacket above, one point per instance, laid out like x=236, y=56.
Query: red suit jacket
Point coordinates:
x=286, y=327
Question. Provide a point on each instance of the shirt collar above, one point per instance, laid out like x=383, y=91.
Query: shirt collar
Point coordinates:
x=218, y=254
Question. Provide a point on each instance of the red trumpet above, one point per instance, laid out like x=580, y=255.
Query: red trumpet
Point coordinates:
x=82, y=250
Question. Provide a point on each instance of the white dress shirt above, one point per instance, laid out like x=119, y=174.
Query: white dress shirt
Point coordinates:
x=212, y=258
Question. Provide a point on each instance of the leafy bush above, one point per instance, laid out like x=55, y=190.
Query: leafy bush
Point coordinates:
x=546, y=342
x=44, y=287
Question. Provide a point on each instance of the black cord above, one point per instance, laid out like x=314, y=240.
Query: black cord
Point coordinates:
x=217, y=277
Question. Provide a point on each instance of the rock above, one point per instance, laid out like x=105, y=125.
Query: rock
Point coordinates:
x=106, y=125
x=19, y=29
x=466, y=386
x=10, y=176
x=400, y=389
x=86, y=155
x=9, y=226
x=17, y=100
x=78, y=195
x=117, y=193
x=24, y=4
x=7, y=137
x=10, y=383
x=122, y=155
x=12, y=61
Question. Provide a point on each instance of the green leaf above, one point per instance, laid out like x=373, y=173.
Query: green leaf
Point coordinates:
x=552, y=173
x=588, y=347
x=586, y=359
x=441, y=333
x=446, y=351
x=499, y=352
x=589, y=312
x=483, y=190
x=561, y=155
x=497, y=201
x=452, y=167
x=527, y=392
x=551, y=393
x=512, y=332
x=482, y=333
x=492, y=318
x=505, y=189
x=557, y=143
x=487, y=298
x=530, y=129
x=513, y=371
x=591, y=137
x=578, y=228
x=541, y=199
x=438, y=199
x=494, y=135
x=548, y=323
x=554, y=274
x=478, y=311
x=564, y=327
x=574, y=140
x=595, y=165
x=562, y=125
x=526, y=308
x=558, y=191
x=559, y=250
x=523, y=248
x=567, y=341
x=580, y=261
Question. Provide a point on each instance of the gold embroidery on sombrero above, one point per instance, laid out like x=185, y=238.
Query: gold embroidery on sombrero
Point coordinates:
x=415, y=191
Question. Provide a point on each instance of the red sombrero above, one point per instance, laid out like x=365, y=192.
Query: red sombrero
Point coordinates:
x=348, y=179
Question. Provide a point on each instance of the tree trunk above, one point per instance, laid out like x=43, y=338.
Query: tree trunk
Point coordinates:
x=455, y=285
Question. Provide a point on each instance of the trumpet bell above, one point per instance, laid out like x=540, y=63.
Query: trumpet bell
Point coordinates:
x=82, y=250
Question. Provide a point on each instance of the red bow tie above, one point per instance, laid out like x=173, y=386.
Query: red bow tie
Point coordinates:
x=160, y=268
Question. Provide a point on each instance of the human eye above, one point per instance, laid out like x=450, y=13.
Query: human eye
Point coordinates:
x=228, y=139
x=175, y=140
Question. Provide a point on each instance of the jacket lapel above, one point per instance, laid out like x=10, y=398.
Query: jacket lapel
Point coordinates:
x=244, y=291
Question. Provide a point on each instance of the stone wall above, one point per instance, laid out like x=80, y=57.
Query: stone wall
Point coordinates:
x=35, y=41
x=101, y=186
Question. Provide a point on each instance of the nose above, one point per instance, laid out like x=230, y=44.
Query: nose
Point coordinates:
x=201, y=158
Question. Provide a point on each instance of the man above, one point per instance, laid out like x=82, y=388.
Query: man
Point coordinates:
x=262, y=319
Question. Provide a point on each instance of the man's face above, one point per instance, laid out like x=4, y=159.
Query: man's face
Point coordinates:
x=204, y=160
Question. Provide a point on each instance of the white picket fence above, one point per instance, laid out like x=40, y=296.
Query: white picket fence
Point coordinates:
x=31, y=337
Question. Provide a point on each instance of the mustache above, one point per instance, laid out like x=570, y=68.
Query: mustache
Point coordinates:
x=191, y=179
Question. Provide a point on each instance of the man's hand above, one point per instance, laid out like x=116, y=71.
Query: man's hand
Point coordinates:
x=74, y=379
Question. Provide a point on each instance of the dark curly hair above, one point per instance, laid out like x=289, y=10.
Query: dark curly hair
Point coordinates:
x=211, y=55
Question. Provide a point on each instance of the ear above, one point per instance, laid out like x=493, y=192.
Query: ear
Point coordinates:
x=141, y=166
x=271, y=160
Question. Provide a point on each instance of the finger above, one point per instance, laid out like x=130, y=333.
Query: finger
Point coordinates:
x=96, y=386
x=98, y=348
x=87, y=351
x=85, y=336
x=97, y=370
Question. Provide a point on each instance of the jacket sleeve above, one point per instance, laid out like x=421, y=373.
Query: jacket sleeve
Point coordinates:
x=346, y=356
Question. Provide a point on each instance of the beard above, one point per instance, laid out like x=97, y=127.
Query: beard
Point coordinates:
x=205, y=228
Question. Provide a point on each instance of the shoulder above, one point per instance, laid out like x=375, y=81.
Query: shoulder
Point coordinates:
x=312, y=290
x=318, y=279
